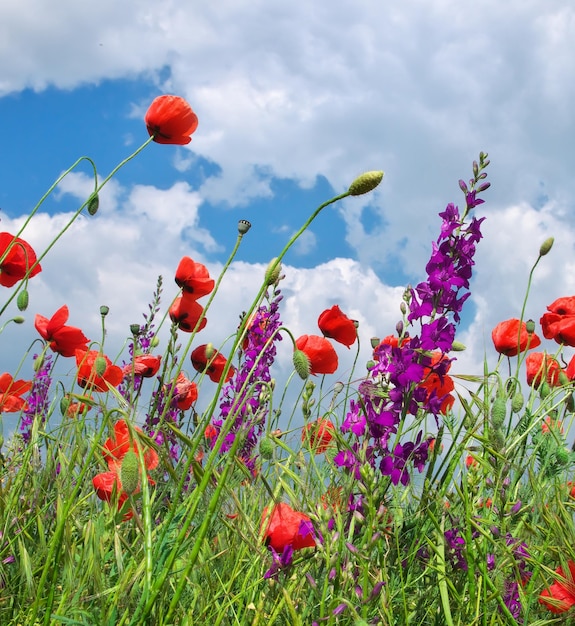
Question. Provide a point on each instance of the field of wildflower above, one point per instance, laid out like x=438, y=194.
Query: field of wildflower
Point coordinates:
x=178, y=485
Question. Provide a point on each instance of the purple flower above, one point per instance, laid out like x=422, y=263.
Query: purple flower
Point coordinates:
x=38, y=401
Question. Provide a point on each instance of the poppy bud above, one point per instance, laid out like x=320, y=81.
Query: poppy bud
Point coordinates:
x=530, y=326
x=129, y=472
x=64, y=404
x=517, y=402
x=457, y=346
x=18, y=319
x=365, y=183
x=100, y=365
x=273, y=272
x=546, y=246
x=497, y=440
x=209, y=352
x=22, y=300
x=301, y=364
x=562, y=456
x=267, y=448
x=104, y=310
x=93, y=204
x=563, y=378
x=38, y=362
x=155, y=342
x=544, y=390
x=498, y=412
x=243, y=226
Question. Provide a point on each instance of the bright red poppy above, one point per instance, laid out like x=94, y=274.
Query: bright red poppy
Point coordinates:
x=286, y=527
x=441, y=386
x=170, y=120
x=560, y=596
x=64, y=340
x=16, y=258
x=78, y=408
x=185, y=312
x=145, y=365
x=570, y=370
x=96, y=371
x=185, y=393
x=540, y=366
x=559, y=323
x=10, y=393
x=115, y=449
x=318, y=435
x=206, y=359
x=337, y=325
x=320, y=353
x=549, y=424
x=194, y=278
x=506, y=337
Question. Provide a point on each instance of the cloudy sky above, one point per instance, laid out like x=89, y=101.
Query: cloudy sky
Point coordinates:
x=294, y=100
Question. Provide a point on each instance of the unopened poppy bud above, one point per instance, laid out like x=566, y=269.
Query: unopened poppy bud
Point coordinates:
x=457, y=346
x=530, y=326
x=155, y=341
x=544, y=390
x=135, y=329
x=375, y=341
x=22, y=300
x=93, y=204
x=546, y=246
x=517, y=402
x=209, y=351
x=243, y=226
x=273, y=272
x=129, y=472
x=38, y=362
x=64, y=404
x=365, y=183
x=498, y=412
x=563, y=378
x=18, y=319
x=104, y=310
x=100, y=365
x=267, y=448
x=301, y=364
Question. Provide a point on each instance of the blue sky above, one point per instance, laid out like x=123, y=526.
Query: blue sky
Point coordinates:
x=294, y=101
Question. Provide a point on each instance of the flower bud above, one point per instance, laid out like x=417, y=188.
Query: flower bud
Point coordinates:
x=100, y=365
x=243, y=226
x=155, y=341
x=457, y=346
x=301, y=364
x=129, y=472
x=517, y=402
x=365, y=183
x=273, y=272
x=562, y=456
x=93, y=203
x=498, y=412
x=22, y=300
x=18, y=319
x=64, y=404
x=267, y=448
x=38, y=362
x=546, y=246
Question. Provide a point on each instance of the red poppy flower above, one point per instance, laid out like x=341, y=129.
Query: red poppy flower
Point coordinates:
x=194, y=278
x=145, y=365
x=506, y=338
x=115, y=449
x=96, y=371
x=560, y=596
x=440, y=386
x=320, y=353
x=336, y=325
x=559, y=323
x=549, y=424
x=10, y=392
x=319, y=435
x=286, y=527
x=211, y=432
x=16, y=258
x=64, y=340
x=185, y=312
x=540, y=366
x=185, y=393
x=206, y=359
x=78, y=408
x=170, y=120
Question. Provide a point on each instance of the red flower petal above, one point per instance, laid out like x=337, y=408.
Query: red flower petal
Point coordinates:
x=16, y=258
x=194, y=278
x=336, y=325
x=320, y=352
x=170, y=120
x=506, y=338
